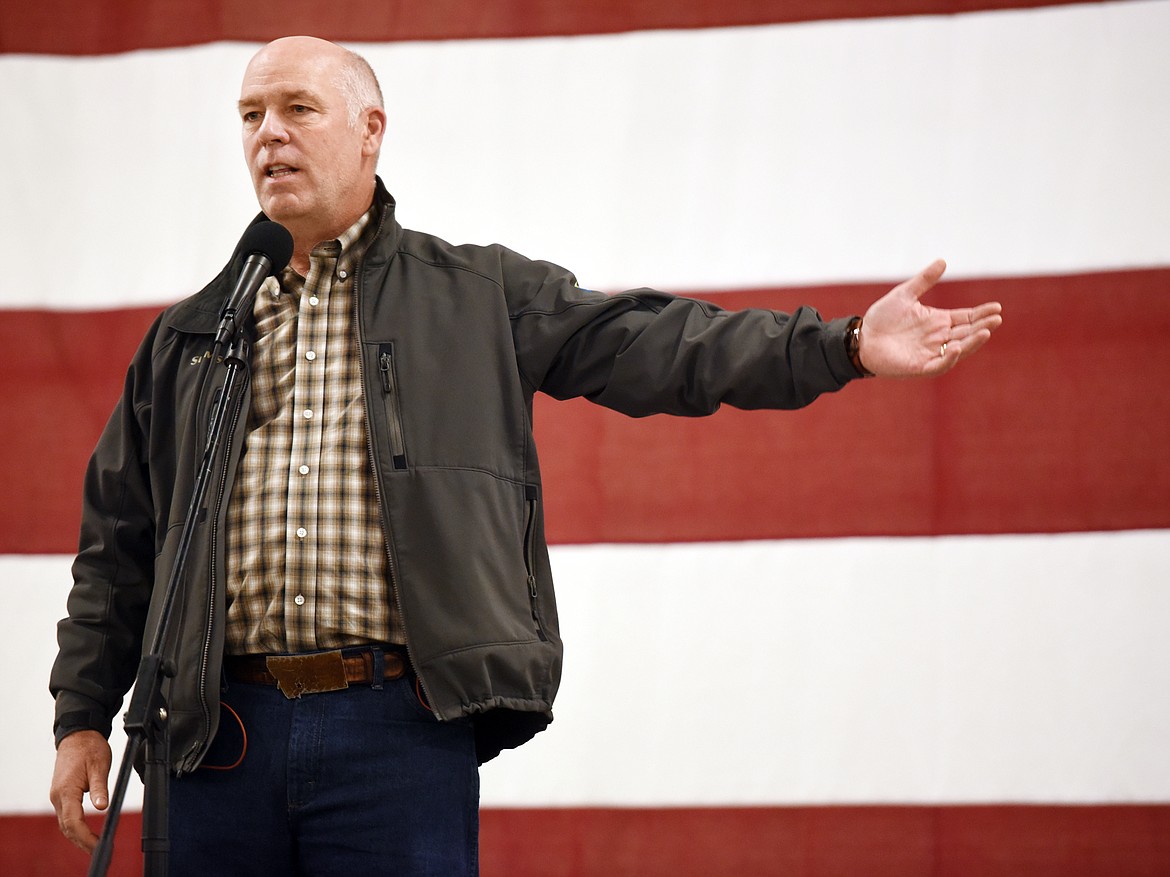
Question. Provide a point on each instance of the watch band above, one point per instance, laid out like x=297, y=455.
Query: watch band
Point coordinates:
x=853, y=347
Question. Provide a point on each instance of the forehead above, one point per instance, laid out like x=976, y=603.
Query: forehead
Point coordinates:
x=288, y=76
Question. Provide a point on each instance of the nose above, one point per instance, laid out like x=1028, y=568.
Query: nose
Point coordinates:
x=272, y=129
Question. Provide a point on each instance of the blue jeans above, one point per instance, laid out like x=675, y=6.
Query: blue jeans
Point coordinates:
x=363, y=781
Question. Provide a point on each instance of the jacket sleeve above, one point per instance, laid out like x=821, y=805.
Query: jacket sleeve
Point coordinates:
x=646, y=352
x=100, y=640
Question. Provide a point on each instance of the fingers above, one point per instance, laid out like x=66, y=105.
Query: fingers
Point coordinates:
x=963, y=321
x=987, y=315
x=985, y=310
x=961, y=331
x=71, y=821
x=955, y=351
x=969, y=345
x=67, y=794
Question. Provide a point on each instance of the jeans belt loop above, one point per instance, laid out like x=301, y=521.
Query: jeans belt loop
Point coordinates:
x=379, y=669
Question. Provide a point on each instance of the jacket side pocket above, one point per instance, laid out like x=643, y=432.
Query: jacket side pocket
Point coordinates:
x=531, y=498
x=390, y=399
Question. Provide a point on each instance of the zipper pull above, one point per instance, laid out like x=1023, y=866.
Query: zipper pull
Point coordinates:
x=532, y=586
x=384, y=366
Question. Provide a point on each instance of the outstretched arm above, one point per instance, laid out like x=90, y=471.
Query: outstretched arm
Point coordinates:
x=900, y=337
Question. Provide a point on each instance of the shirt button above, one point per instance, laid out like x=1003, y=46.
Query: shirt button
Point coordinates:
x=304, y=470
x=308, y=414
x=299, y=599
x=311, y=355
x=314, y=301
x=343, y=274
x=302, y=532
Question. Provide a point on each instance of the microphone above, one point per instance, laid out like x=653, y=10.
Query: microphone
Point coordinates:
x=267, y=247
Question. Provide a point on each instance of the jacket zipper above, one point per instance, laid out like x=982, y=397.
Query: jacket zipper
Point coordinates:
x=391, y=567
x=213, y=524
x=531, y=495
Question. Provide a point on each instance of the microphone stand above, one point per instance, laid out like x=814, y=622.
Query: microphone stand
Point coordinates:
x=146, y=719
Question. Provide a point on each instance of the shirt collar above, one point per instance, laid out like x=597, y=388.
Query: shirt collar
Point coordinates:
x=347, y=247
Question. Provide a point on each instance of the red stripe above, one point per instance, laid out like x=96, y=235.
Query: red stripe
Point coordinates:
x=62, y=375
x=1058, y=425
x=96, y=27
x=960, y=841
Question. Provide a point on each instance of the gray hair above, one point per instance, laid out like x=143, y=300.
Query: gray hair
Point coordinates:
x=359, y=85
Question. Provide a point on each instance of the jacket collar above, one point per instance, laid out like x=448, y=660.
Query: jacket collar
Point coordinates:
x=200, y=312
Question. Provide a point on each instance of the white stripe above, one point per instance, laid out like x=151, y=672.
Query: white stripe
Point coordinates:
x=1016, y=668
x=972, y=669
x=1018, y=142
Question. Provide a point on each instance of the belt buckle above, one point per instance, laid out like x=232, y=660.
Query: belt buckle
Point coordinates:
x=308, y=674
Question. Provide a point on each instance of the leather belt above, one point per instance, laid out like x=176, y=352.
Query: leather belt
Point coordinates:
x=317, y=672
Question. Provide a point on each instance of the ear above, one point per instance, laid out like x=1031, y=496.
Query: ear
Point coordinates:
x=374, y=131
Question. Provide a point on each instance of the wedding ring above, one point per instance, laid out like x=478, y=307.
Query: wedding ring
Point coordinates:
x=942, y=351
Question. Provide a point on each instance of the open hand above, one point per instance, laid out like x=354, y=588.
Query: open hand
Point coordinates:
x=901, y=337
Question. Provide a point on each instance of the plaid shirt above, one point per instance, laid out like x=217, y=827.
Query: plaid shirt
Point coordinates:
x=306, y=553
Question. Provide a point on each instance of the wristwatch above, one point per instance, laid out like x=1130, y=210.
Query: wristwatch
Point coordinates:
x=853, y=347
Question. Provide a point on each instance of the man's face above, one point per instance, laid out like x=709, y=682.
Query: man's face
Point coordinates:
x=310, y=167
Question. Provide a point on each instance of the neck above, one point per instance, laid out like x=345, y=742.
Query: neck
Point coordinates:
x=307, y=234
x=304, y=240
x=300, y=259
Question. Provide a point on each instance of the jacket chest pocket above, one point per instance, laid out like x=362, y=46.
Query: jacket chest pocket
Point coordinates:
x=392, y=403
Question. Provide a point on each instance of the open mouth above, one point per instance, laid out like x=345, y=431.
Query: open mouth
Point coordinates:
x=280, y=171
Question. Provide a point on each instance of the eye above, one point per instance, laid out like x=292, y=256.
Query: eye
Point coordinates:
x=251, y=117
x=300, y=109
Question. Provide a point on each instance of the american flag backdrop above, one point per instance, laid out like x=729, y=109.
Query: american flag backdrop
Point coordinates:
x=920, y=628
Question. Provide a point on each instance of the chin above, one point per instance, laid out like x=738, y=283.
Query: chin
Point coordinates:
x=281, y=208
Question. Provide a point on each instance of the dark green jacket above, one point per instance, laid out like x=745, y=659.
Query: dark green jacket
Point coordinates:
x=454, y=341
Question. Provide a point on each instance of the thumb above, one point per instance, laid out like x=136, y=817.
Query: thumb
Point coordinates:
x=922, y=282
x=99, y=794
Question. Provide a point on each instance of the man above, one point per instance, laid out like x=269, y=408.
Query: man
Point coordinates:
x=368, y=612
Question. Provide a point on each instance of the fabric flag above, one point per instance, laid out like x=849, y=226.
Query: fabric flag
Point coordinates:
x=918, y=628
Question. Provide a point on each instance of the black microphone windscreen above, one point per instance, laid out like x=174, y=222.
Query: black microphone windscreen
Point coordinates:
x=270, y=239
